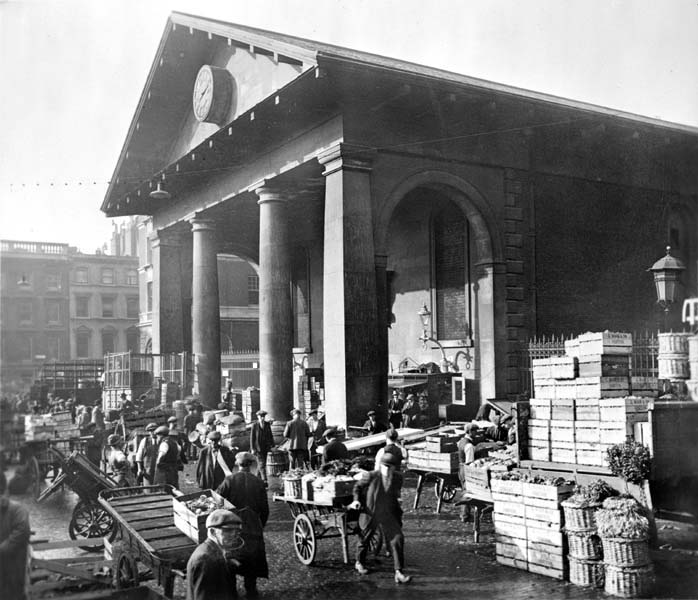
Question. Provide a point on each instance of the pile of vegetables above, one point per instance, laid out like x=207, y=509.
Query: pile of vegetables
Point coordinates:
x=591, y=495
x=631, y=461
x=203, y=505
x=531, y=478
x=621, y=517
x=293, y=474
x=335, y=467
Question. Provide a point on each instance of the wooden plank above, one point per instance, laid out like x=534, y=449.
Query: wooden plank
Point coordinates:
x=152, y=523
x=140, y=500
x=160, y=533
x=151, y=506
x=171, y=543
x=57, y=567
x=148, y=514
x=68, y=544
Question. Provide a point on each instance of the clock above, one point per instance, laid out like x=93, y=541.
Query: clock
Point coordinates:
x=213, y=94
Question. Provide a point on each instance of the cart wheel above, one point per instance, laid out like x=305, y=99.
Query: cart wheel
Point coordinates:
x=125, y=572
x=35, y=477
x=448, y=493
x=90, y=520
x=304, y=540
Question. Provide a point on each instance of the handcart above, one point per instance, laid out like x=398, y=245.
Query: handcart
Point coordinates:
x=146, y=534
x=89, y=519
x=314, y=521
x=42, y=462
x=446, y=485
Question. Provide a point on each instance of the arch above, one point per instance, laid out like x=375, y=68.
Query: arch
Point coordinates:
x=473, y=204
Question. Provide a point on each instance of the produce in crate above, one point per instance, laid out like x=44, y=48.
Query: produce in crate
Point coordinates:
x=203, y=505
x=591, y=495
x=622, y=517
x=631, y=461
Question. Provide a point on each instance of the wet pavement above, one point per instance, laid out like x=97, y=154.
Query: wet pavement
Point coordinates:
x=439, y=553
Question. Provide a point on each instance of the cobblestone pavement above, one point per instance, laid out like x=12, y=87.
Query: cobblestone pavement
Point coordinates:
x=439, y=552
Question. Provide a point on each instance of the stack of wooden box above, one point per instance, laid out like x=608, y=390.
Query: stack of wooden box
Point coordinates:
x=250, y=403
x=582, y=401
x=528, y=526
x=65, y=428
x=38, y=427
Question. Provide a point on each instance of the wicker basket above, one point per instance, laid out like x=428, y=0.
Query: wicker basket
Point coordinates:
x=623, y=552
x=587, y=572
x=293, y=488
x=578, y=518
x=629, y=582
x=584, y=545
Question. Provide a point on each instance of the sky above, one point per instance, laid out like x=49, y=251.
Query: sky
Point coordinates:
x=71, y=73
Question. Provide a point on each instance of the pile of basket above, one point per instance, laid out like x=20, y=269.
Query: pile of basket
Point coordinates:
x=585, y=550
x=624, y=536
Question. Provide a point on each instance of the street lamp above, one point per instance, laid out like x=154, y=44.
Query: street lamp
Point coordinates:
x=160, y=194
x=24, y=282
x=446, y=364
x=667, y=273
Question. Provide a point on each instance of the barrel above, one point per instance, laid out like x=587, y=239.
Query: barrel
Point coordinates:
x=673, y=343
x=673, y=366
x=180, y=412
x=693, y=356
x=277, y=462
x=277, y=431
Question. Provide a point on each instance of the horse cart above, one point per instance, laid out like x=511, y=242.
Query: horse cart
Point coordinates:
x=146, y=534
x=314, y=521
x=89, y=519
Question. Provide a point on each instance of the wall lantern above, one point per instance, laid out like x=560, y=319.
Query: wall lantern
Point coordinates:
x=24, y=282
x=447, y=364
x=425, y=316
x=160, y=194
x=667, y=274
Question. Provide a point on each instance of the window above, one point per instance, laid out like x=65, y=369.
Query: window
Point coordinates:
x=53, y=282
x=252, y=289
x=108, y=307
x=132, y=308
x=150, y=296
x=81, y=275
x=131, y=277
x=82, y=306
x=53, y=348
x=132, y=340
x=108, y=276
x=82, y=344
x=25, y=313
x=53, y=311
x=107, y=342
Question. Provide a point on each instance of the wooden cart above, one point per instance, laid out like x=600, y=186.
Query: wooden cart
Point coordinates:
x=89, y=519
x=146, y=534
x=314, y=521
x=43, y=463
x=446, y=485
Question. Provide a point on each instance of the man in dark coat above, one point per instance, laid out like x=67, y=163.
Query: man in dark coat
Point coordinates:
x=248, y=494
x=395, y=405
x=145, y=456
x=14, y=545
x=297, y=432
x=334, y=449
x=167, y=461
x=373, y=425
x=261, y=441
x=215, y=463
x=378, y=492
x=211, y=567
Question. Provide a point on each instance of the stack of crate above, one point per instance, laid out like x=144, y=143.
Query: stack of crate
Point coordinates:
x=582, y=400
x=439, y=454
x=250, y=403
x=38, y=427
x=528, y=526
x=65, y=428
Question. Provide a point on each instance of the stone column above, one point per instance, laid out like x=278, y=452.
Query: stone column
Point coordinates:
x=168, y=329
x=206, y=337
x=381, y=261
x=353, y=365
x=275, y=309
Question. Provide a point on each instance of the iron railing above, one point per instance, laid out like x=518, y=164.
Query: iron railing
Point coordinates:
x=242, y=367
x=643, y=360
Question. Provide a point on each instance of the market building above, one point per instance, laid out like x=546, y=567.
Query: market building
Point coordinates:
x=364, y=188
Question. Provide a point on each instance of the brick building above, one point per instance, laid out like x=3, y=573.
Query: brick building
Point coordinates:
x=365, y=187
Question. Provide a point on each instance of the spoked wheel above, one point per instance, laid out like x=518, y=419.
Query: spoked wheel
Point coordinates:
x=304, y=540
x=125, y=572
x=90, y=520
x=448, y=493
x=35, y=477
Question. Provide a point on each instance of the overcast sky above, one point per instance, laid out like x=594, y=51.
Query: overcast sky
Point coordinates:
x=71, y=73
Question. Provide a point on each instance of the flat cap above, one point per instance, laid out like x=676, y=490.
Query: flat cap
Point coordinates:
x=214, y=435
x=389, y=458
x=295, y=411
x=313, y=412
x=261, y=413
x=162, y=430
x=244, y=458
x=172, y=419
x=371, y=413
x=151, y=426
x=113, y=440
x=223, y=519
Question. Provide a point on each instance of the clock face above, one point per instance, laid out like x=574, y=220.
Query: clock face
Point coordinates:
x=203, y=93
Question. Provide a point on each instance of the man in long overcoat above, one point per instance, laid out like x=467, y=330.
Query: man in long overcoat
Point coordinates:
x=378, y=493
x=215, y=462
x=261, y=441
x=211, y=567
x=298, y=433
x=248, y=494
x=14, y=545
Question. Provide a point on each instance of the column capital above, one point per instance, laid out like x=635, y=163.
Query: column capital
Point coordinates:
x=200, y=223
x=346, y=157
x=267, y=192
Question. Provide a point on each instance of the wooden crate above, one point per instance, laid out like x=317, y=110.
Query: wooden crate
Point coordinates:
x=437, y=462
x=544, y=388
x=540, y=408
x=586, y=409
x=587, y=431
x=561, y=574
x=592, y=458
x=565, y=390
x=545, y=555
x=551, y=536
x=604, y=365
x=512, y=562
x=510, y=547
x=507, y=529
x=605, y=342
x=621, y=409
x=602, y=387
x=506, y=486
x=615, y=432
x=542, y=370
x=563, y=367
x=563, y=409
x=537, y=514
x=538, y=429
x=561, y=431
x=476, y=478
x=503, y=507
x=562, y=455
x=188, y=522
x=541, y=453
x=546, y=496
x=441, y=443
x=504, y=519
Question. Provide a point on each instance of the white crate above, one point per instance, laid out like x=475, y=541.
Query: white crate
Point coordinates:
x=605, y=342
x=563, y=367
x=540, y=408
x=587, y=431
x=602, y=387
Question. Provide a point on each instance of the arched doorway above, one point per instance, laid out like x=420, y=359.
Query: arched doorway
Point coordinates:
x=440, y=252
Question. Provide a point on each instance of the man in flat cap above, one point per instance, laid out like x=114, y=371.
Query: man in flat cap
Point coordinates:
x=191, y=420
x=317, y=426
x=379, y=494
x=372, y=425
x=334, y=449
x=298, y=433
x=261, y=441
x=145, y=456
x=116, y=460
x=179, y=437
x=248, y=494
x=215, y=462
x=167, y=461
x=212, y=566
